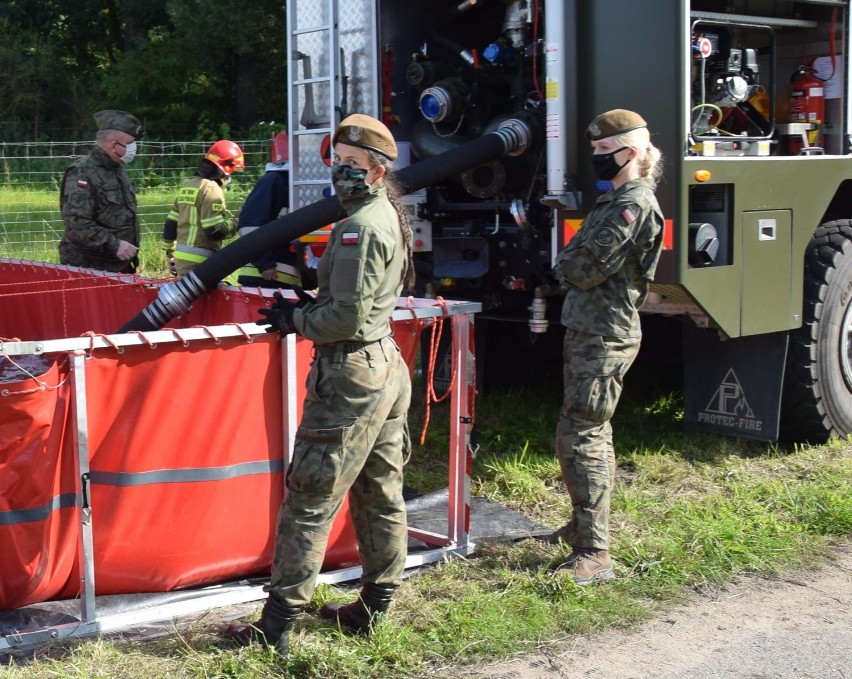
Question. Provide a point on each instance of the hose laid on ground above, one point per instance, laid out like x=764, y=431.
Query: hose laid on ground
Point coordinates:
x=174, y=299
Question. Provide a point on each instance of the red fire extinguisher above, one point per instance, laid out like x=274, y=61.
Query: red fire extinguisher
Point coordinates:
x=807, y=105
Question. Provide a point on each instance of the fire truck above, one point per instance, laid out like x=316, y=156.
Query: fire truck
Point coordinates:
x=748, y=101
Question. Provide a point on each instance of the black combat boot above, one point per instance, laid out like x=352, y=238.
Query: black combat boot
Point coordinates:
x=273, y=628
x=357, y=616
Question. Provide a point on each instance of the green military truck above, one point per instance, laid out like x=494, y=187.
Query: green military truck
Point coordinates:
x=748, y=100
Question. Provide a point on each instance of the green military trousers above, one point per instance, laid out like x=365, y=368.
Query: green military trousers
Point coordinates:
x=594, y=368
x=353, y=437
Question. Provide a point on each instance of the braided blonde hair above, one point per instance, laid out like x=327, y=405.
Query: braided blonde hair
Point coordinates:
x=395, y=198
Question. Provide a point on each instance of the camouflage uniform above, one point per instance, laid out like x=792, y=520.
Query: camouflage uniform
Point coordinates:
x=607, y=267
x=98, y=204
x=353, y=436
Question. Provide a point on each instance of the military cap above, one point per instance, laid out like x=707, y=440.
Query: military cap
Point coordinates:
x=367, y=133
x=118, y=120
x=611, y=123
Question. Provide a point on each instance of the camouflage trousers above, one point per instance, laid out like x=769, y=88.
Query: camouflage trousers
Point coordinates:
x=594, y=369
x=353, y=437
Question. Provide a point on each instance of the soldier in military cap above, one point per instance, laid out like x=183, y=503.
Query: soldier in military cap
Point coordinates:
x=606, y=270
x=98, y=201
x=353, y=436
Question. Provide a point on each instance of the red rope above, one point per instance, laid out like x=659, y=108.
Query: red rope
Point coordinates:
x=19, y=293
x=144, y=338
x=249, y=338
x=434, y=343
x=106, y=338
x=471, y=392
x=536, y=12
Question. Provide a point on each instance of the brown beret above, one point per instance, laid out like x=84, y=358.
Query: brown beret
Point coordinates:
x=611, y=123
x=367, y=133
x=118, y=120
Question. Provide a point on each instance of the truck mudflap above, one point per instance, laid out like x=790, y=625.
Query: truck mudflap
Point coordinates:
x=733, y=386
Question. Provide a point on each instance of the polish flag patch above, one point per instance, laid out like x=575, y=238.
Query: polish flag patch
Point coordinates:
x=628, y=216
x=350, y=238
x=82, y=183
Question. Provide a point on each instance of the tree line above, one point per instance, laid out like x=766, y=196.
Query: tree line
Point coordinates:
x=189, y=69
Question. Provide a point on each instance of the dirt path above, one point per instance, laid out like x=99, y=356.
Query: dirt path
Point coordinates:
x=797, y=626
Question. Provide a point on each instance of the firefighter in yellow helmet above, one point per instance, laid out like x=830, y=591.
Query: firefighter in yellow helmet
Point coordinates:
x=199, y=221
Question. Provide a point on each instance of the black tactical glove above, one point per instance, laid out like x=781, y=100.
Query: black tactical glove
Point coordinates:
x=304, y=297
x=279, y=317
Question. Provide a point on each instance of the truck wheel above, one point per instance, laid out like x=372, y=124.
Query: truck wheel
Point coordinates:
x=817, y=400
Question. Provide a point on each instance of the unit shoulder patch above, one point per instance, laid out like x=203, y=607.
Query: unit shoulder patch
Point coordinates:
x=605, y=237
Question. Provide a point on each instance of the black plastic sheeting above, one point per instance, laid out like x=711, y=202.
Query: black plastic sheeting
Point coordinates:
x=489, y=521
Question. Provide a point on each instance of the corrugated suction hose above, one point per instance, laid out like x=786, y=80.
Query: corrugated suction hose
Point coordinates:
x=175, y=299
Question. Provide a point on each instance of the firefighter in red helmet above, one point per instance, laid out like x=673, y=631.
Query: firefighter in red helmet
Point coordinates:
x=199, y=221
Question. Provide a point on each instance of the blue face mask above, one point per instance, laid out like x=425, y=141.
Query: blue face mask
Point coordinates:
x=349, y=181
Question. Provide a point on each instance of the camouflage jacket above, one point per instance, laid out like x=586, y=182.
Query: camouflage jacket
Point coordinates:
x=608, y=265
x=98, y=204
x=360, y=275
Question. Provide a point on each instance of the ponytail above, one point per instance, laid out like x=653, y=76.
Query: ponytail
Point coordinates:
x=650, y=157
x=395, y=199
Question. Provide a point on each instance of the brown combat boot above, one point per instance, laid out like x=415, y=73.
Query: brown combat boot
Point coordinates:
x=273, y=628
x=588, y=565
x=360, y=614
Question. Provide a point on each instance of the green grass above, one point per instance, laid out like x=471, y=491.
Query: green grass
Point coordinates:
x=31, y=225
x=691, y=511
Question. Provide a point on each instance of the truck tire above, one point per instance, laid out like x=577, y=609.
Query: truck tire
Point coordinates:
x=817, y=399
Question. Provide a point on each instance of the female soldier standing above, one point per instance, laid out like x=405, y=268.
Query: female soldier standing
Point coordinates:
x=607, y=268
x=353, y=435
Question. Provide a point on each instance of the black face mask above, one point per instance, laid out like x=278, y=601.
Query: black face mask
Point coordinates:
x=605, y=165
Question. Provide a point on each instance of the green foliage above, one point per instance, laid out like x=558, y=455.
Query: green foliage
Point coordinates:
x=185, y=67
x=31, y=225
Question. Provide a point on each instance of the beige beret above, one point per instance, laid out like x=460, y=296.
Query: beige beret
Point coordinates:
x=367, y=133
x=611, y=123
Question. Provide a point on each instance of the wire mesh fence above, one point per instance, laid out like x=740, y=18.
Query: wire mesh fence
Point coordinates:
x=31, y=173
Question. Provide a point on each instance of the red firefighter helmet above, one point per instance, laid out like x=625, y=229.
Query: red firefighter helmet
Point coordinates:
x=279, y=152
x=227, y=156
